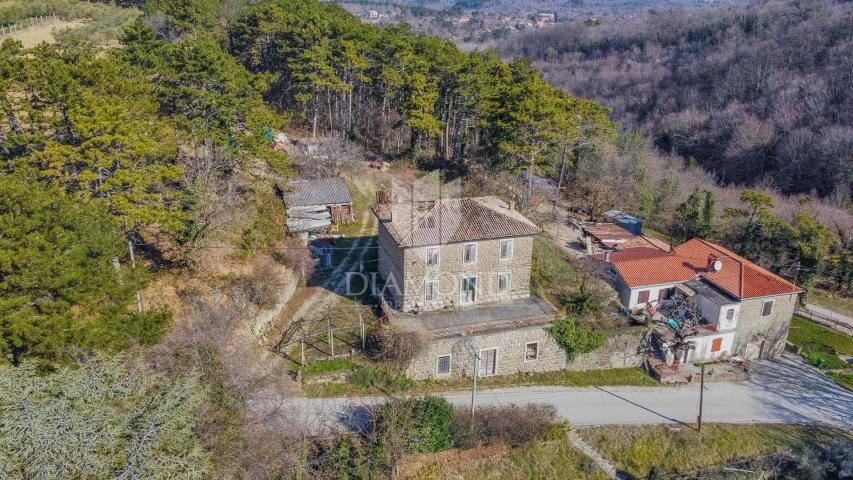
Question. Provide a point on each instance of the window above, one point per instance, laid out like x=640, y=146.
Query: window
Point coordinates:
x=716, y=344
x=443, y=366
x=469, y=255
x=663, y=294
x=503, y=282
x=431, y=290
x=469, y=290
x=643, y=297
x=506, y=249
x=730, y=314
x=767, y=308
x=488, y=362
x=531, y=351
x=432, y=256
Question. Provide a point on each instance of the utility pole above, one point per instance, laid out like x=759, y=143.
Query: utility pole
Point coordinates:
x=361, y=321
x=133, y=263
x=474, y=383
x=701, y=395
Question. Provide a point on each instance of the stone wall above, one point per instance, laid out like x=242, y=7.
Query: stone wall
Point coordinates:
x=390, y=262
x=753, y=330
x=620, y=351
x=451, y=269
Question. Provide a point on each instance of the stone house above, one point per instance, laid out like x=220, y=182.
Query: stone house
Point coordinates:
x=746, y=310
x=459, y=269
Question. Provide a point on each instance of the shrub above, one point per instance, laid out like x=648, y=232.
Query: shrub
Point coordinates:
x=414, y=425
x=258, y=287
x=511, y=424
x=574, y=339
x=397, y=344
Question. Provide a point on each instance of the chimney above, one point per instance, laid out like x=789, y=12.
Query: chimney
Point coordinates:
x=607, y=256
x=512, y=204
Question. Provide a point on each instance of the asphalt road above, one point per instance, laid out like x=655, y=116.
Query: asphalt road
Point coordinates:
x=784, y=390
x=831, y=314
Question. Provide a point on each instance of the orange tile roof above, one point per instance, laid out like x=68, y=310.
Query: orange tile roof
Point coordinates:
x=647, y=266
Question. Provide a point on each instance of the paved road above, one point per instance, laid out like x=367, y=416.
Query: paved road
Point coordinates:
x=831, y=314
x=784, y=390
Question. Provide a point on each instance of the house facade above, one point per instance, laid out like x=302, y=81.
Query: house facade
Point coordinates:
x=453, y=253
x=745, y=309
x=459, y=270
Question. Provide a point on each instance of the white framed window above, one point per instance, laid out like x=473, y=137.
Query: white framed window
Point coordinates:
x=506, y=249
x=430, y=290
x=442, y=365
x=469, y=253
x=432, y=256
x=488, y=362
x=504, y=282
x=767, y=308
x=531, y=351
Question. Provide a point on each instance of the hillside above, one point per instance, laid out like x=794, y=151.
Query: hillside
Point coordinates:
x=759, y=94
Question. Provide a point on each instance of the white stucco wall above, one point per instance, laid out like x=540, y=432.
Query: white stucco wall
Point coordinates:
x=633, y=299
x=703, y=352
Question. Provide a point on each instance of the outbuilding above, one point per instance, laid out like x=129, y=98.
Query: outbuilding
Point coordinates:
x=316, y=204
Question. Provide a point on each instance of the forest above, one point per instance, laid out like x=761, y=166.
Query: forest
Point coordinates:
x=140, y=166
x=758, y=94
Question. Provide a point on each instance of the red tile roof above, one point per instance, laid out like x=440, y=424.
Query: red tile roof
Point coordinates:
x=739, y=277
x=452, y=220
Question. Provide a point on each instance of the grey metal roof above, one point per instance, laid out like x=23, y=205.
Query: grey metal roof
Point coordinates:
x=319, y=191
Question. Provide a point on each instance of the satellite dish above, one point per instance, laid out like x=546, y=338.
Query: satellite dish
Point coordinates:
x=718, y=265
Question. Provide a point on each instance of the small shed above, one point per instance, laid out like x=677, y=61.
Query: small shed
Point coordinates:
x=314, y=204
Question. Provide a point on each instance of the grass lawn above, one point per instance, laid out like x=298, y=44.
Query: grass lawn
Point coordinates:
x=820, y=344
x=360, y=204
x=536, y=460
x=833, y=302
x=589, y=378
x=637, y=449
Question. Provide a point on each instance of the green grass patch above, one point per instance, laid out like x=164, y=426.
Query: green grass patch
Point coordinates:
x=562, y=378
x=637, y=450
x=360, y=203
x=359, y=382
x=820, y=345
x=329, y=366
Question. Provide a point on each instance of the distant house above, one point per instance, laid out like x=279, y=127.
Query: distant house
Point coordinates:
x=745, y=309
x=459, y=269
x=316, y=204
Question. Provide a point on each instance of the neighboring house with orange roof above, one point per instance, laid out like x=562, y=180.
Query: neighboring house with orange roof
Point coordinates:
x=746, y=309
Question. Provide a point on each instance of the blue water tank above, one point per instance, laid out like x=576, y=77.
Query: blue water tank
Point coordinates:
x=632, y=224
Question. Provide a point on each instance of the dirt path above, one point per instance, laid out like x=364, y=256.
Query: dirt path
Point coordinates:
x=270, y=371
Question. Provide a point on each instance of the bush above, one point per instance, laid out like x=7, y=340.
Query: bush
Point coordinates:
x=258, y=287
x=414, y=425
x=510, y=424
x=574, y=339
x=397, y=344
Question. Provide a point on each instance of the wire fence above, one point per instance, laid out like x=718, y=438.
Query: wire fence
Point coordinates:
x=27, y=23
